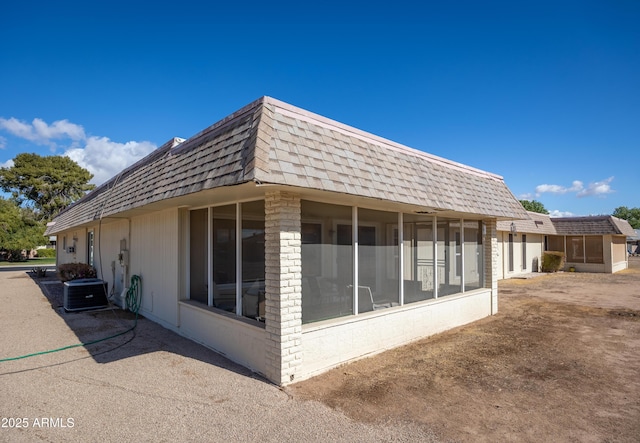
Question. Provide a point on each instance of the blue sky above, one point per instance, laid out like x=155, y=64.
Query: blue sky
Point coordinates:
x=546, y=94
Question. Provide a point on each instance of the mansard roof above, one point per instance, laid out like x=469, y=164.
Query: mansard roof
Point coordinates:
x=272, y=142
x=592, y=225
x=588, y=225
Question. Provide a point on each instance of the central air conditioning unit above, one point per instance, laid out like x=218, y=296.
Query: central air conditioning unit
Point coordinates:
x=85, y=293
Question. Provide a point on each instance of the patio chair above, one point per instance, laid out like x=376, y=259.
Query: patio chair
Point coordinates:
x=366, y=302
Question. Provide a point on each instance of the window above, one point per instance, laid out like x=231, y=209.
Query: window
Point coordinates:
x=593, y=249
x=378, y=260
x=90, y=248
x=436, y=258
x=253, y=263
x=449, y=257
x=575, y=249
x=555, y=243
x=418, y=256
x=473, y=256
x=224, y=255
x=198, y=259
x=327, y=261
x=510, y=252
x=418, y=269
x=227, y=272
x=524, y=251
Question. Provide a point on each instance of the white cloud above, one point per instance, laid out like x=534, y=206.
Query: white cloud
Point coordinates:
x=101, y=156
x=7, y=164
x=17, y=128
x=40, y=132
x=105, y=158
x=58, y=129
x=576, y=186
x=597, y=188
x=556, y=213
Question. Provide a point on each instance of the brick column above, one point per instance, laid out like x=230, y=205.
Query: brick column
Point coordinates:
x=491, y=262
x=283, y=275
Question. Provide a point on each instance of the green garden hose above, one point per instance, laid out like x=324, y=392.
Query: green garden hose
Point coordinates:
x=133, y=300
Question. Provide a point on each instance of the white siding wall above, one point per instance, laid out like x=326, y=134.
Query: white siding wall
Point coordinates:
x=154, y=257
x=619, y=256
x=535, y=249
x=620, y=266
x=107, y=247
x=80, y=254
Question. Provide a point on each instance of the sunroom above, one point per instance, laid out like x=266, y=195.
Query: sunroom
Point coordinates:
x=351, y=258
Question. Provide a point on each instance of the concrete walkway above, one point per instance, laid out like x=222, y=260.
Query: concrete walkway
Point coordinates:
x=147, y=385
x=527, y=275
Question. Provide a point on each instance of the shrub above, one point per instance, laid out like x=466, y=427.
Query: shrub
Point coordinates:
x=74, y=271
x=15, y=255
x=39, y=271
x=552, y=261
x=46, y=253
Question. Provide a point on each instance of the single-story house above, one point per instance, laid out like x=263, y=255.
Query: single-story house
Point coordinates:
x=292, y=243
x=590, y=244
x=521, y=244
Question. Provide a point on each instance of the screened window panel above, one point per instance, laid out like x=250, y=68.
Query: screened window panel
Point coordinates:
x=327, y=261
x=473, y=256
x=555, y=243
x=224, y=257
x=198, y=256
x=511, y=261
x=449, y=257
x=378, y=260
x=418, y=279
x=575, y=249
x=253, y=261
x=593, y=249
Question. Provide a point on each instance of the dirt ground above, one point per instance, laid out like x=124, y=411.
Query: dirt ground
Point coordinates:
x=559, y=362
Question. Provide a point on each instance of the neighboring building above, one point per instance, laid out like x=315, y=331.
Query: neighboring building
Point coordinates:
x=292, y=243
x=590, y=244
x=521, y=244
x=633, y=243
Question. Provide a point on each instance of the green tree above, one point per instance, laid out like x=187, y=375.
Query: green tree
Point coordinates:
x=47, y=184
x=632, y=215
x=534, y=206
x=19, y=229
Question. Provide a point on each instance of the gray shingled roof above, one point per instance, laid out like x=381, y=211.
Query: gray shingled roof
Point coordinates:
x=536, y=224
x=592, y=225
x=269, y=141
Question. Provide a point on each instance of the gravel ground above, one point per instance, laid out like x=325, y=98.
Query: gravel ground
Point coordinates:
x=145, y=385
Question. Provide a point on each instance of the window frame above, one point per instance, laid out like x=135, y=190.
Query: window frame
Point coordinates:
x=237, y=311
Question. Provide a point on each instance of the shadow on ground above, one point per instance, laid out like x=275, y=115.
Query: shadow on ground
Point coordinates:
x=121, y=334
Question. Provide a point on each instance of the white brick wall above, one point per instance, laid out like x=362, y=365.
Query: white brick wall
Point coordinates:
x=283, y=275
x=350, y=338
